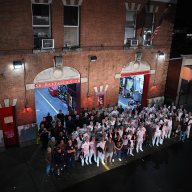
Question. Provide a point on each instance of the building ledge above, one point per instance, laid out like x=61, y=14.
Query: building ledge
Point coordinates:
x=35, y=51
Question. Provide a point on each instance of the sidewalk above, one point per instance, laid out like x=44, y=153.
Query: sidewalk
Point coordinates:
x=23, y=170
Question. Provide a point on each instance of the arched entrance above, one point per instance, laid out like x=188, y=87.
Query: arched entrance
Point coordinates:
x=134, y=83
x=56, y=89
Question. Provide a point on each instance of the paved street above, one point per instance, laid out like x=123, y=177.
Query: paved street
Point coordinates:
x=168, y=170
x=45, y=103
x=22, y=169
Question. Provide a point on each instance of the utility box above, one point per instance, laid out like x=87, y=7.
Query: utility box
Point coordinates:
x=8, y=126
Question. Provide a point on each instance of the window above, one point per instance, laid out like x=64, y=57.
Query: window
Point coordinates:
x=71, y=26
x=130, y=26
x=41, y=23
x=148, y=27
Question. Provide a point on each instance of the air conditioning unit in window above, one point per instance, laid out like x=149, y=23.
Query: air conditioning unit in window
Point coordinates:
x=47, y=44
x=134, y=43
x=131, y=42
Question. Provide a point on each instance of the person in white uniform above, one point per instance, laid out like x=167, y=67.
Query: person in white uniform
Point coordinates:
x=189, y=126
x=85, y=152
x=169, y=125
x=92, y=150
x=140, y=137
x=163, y=131
x=100, y=151
x=156, y=136
x=130, y=144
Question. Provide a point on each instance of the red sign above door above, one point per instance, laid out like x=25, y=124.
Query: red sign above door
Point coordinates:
x=55, y=83
x=135, y=73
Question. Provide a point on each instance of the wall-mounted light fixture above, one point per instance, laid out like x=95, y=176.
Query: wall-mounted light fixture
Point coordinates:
x=161, y=54
x=58, y=61
x=138, y=56
x=92, y=58
x=17, y=64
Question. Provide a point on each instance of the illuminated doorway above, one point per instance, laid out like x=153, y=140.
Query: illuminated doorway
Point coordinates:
x=56, y=89
x=131, y=90
x=134, y=83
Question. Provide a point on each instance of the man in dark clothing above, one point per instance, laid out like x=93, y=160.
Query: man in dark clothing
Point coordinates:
x=183, y=132
x=118, y=147
x=70, y=154
x=59, y=127
x=78, y=121
x=149, y=135
x=120, y=109
x=44, y=137
x=97, y=118
x=49, y=120
x=70, y=125
x=44, y=123
x=48, y=160
x=58, y=161
x=85, y=119
x=61, y=117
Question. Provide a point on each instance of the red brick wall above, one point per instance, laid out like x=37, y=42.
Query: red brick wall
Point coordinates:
x=102, y=22
x=58, y=23
x=16, y=25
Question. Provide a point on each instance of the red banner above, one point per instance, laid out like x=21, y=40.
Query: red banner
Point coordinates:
x=55, y=83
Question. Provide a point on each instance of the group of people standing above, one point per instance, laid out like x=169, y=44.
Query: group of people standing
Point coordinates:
x=110, y=134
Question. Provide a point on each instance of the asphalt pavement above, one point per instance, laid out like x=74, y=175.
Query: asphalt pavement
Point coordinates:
x=23, y=170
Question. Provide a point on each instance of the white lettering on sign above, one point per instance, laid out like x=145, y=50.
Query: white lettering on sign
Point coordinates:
x=55, y=83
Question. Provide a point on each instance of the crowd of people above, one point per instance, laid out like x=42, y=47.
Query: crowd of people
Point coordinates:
x=108, y=135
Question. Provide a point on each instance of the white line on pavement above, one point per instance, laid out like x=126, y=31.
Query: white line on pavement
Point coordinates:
x=47, y=102
x=122, y=104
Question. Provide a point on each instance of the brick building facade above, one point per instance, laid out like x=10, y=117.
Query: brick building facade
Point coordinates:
x=102, y=25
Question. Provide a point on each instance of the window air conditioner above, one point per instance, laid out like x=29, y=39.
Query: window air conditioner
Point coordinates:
x=47, y=44
x=134, y=43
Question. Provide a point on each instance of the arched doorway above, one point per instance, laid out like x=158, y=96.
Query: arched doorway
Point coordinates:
x=56, y=89
x=134, y=83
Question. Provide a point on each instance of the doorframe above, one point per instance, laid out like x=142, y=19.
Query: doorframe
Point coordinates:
x=145, y=85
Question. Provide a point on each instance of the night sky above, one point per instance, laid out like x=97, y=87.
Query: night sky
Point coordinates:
x=181, y=43
x=183, y=14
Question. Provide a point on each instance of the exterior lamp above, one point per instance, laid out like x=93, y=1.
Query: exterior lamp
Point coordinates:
x=161, y=54
x=92, y=58
x=17, y=64
x=58, y=61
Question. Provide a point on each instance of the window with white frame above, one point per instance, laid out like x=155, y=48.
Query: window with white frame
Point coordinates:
x=148, y=28
x=130, y=26
x=71, y=26
x=41, y=23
